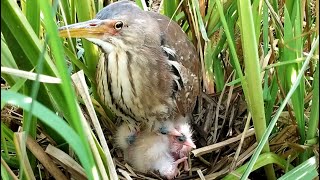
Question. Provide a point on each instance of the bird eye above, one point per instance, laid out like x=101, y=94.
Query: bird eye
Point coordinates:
x=181, y=138
x=118, y=25
x=163, y=130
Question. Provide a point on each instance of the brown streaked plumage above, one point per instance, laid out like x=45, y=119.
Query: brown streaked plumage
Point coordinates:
x=148, y=69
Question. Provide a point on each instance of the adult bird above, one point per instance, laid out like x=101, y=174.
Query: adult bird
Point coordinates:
x=148, y=69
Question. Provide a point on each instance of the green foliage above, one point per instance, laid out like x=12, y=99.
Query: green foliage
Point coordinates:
x=269, y=48
x=306, y=170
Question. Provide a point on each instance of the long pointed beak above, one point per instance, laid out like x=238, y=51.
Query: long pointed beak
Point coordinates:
x=89, y=29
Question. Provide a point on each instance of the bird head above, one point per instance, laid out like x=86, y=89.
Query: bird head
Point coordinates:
x=186, y=135
x=120, y=24
x=184, y=140
x=126, y=136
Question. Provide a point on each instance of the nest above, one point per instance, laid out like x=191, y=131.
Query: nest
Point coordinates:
x=218, y=124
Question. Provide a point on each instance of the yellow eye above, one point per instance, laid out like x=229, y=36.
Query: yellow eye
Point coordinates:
x=118, y=25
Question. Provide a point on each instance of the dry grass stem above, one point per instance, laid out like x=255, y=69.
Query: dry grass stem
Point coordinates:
x=5, y=165
x=210, y=148
x=45, y=160
x=66, y=161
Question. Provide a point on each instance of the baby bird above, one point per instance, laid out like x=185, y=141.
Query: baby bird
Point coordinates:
x=151, y=152
x=182, y=145
x=125, y=137
x=162, y=150
x=181, y=142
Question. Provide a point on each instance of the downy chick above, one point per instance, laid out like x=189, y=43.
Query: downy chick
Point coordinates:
x=126, y=136
x=151, y=152
x=180, y=138
x=181, y=145
x=163, y=150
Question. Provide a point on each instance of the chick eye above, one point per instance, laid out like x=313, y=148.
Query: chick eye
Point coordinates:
x=163, y=130
x=118, y=25
x=181, y=138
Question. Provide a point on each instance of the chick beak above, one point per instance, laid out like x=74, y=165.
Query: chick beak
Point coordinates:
x=189, y=143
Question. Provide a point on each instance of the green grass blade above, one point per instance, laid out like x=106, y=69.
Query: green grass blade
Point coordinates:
x=142, y=4
x=86, y=11
x=4, y=172
x=27, y=48
x=232, y=47
x=252, y=70
x=263, y=160
x=277, y=115
x=55, y=122
x=273, y=89
x=314, y=115
x=6, y=132
x=7, y=61
x=25, y=36
x=252, y=75
x=169, y=7
x=290, y=52
x=200, y=20
x=66, y=10
x=257, y=16
x=68, y=92
x=218, y=65
x=209, y=79
x=78, y=63
x=33, y=15
x=265, y=29
x=305, y=171
x=213, y=19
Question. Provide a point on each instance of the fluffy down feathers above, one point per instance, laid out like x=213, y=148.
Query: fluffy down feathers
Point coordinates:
x=150, y=152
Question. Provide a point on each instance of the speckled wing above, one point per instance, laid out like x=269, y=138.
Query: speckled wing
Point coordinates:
x=186, y=57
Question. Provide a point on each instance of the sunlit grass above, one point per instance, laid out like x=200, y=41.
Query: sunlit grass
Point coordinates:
x=276, y=39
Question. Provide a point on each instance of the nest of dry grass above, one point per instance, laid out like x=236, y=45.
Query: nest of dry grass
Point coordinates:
x=218, y=127
x=219, y=122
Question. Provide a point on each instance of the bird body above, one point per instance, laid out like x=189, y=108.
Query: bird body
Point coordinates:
x=148, y=75
x=148, y=69
x=128, y=96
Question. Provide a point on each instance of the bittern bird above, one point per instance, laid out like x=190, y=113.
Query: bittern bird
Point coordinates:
x=148, y=69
